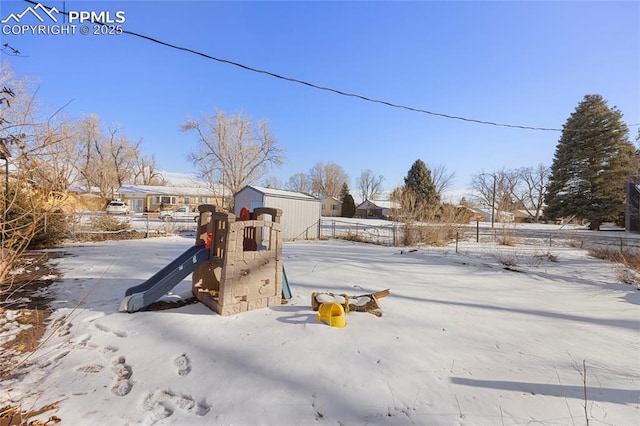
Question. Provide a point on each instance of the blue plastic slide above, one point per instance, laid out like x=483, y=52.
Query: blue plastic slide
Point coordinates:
x=154, y=288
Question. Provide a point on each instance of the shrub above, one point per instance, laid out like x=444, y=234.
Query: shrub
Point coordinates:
x=109, y=223
x=352, y=236
x=51, y=230
x=507, y=259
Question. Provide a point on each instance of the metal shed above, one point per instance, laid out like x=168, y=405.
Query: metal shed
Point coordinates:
x=300, y=212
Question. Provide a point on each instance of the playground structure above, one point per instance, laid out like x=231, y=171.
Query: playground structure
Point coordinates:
x=236, y=264
x=244, y=269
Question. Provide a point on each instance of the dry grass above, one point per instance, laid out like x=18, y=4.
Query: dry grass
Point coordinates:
x=506, y=240
x=547, y=256
x=12, y=416
x=352, y=236
x=628, y=270
x=507, y=259
x=435, y=234
x=27, y=340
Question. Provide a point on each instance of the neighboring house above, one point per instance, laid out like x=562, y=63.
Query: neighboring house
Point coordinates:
x=300, y=212
x=632, y=218
x=378, y=209
x=484, y=215
x=152, y=198
x=523, y=216
x=331, y=206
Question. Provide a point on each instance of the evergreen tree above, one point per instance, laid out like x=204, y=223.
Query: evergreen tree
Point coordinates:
x=348, y=205
x=344, y=190
x=420, y=183
x=592, y=163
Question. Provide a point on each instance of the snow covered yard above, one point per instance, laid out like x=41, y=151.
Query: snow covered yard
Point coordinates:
x=463, y=339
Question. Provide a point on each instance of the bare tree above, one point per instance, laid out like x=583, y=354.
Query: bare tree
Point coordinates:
x=32, y=179
x=495, y=190
x=442, y=178
x=272, y=181
x=233, y=151
x=369, y=185
x=52, y=157
x=120, y=154
x=145, y=171
x=529, y=187
x=107, y=159
x=327, y=179
x=299, y=182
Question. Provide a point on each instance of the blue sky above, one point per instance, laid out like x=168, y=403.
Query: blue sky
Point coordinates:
x=521, y=63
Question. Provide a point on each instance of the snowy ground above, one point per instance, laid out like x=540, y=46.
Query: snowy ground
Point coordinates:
x=462, y=341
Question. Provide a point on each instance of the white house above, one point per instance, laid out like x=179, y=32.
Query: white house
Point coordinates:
x=300, y=212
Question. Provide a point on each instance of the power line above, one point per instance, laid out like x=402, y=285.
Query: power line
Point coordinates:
x=332, y=90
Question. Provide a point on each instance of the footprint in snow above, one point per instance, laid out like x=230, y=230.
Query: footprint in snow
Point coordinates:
x=82, y=342
x=54, y=358
x=105, y=329
x=108, y=350
x=163, y=403
x=122, y=373
x=90, y=368
x=183, y=363
x=93, y=317
x=64, y=328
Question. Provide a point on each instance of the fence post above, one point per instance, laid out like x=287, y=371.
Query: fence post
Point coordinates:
x=394, y=234
x=333, y=228
x=477, y=231
x=456, y=242
x=550, y=243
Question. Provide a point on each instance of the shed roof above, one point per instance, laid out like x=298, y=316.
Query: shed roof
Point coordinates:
x=282, y=193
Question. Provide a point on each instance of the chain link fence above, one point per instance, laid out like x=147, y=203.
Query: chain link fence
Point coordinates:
x=395, y=234
x=83, y=225
x=93, y=225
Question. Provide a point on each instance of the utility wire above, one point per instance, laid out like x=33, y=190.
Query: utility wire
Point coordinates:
x=329, y=89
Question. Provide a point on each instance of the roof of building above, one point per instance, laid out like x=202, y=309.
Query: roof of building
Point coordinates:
x=164, y=190
x=380, y=204
x=326, y=197
x=280, y=193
